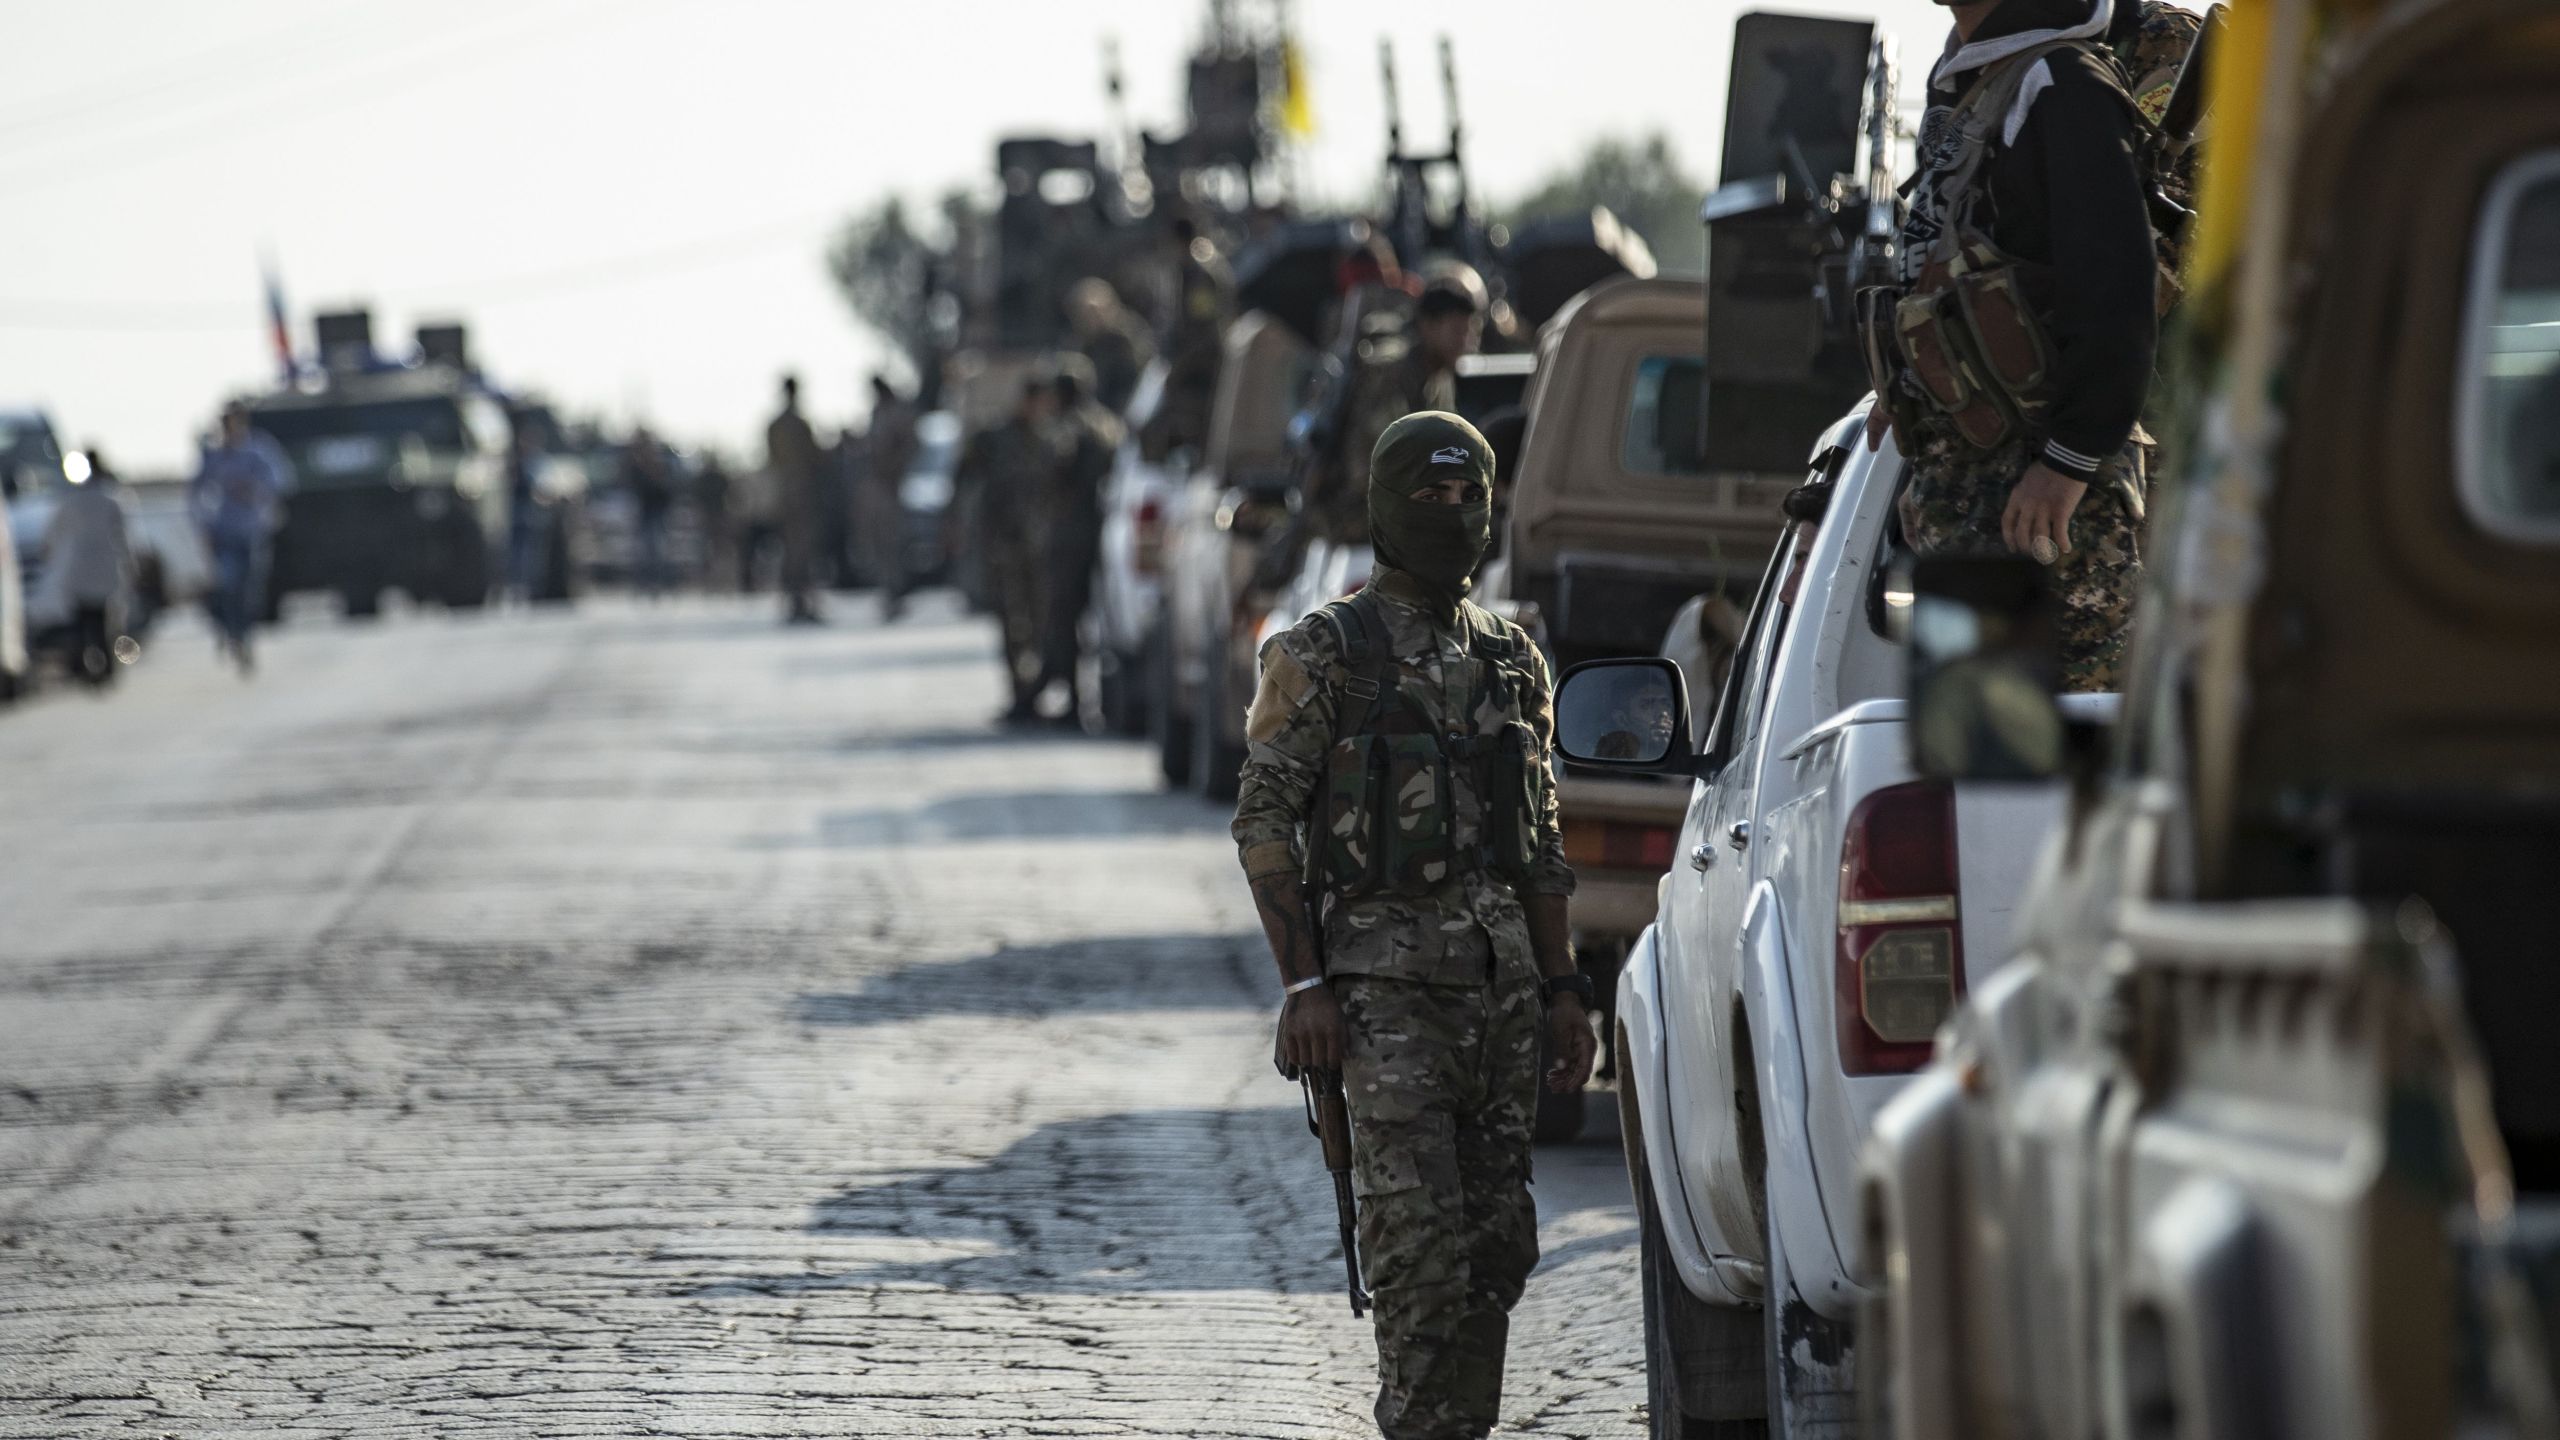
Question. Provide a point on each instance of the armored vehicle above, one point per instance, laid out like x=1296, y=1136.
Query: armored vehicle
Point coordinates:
x=399, y=477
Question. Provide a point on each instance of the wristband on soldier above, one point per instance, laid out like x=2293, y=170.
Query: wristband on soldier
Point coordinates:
x=1576, y=984
x=1297, y=986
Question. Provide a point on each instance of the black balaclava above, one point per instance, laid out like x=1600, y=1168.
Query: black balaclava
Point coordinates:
x=1437, y=545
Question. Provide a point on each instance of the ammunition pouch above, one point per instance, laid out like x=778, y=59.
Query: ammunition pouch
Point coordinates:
x=1389, y=796
x=1968, y=341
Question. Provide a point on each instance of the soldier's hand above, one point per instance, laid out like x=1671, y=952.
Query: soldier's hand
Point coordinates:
x=1311, y=1031
x=1879, y=421
x=2040, y=507
x=1571, y=1047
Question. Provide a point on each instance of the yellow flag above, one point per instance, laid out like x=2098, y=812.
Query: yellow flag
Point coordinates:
x=1297, y=107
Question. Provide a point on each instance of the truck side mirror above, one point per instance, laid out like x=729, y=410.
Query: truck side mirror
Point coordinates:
x=1985, y=655
x=1628, y=714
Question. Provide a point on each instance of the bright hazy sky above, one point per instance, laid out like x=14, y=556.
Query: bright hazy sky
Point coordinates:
x=629, y=199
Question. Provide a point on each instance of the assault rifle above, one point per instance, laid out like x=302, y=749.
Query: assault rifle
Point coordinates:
x=1329, y=1120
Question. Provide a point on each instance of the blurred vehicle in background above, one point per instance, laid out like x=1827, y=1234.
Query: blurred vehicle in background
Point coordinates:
x=13, y=615
x=607, y=536
x=170, y=564
x=1217, y=522
x=31, y=474
x=1128, y=591
x=399, y=476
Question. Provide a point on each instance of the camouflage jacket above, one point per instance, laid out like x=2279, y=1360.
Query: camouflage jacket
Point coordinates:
x=1441, y=932
x=1006, y=470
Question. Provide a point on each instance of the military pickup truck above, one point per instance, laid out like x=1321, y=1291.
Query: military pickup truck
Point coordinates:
x=2258, y=1132
x=1615, y=521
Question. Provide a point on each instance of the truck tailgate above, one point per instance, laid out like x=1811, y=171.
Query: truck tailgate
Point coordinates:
x=2001, y=829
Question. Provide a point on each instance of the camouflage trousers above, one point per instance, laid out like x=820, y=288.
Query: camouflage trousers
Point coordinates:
x=1951, y=502
x=1016, y=586
x=1442, y=1082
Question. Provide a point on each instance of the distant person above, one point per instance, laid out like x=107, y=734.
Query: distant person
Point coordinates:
x=528, y=533
x=1005, y=474
x=879, y=512
x=650, y=477
x=848, y=461
x=755, y=506
x=711, y=508
x=88, y=553
x=1393, y=380
x=1088, y=436
x=237, y=499
x=791, y=455
x=1195, y=344
x=1111, y=339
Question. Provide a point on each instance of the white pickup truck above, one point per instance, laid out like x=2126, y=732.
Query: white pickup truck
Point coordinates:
x=1824, y=913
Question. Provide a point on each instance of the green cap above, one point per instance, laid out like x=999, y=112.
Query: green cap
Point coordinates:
x=1427, y=447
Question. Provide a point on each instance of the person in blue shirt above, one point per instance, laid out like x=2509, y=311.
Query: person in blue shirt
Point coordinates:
x=237, y=498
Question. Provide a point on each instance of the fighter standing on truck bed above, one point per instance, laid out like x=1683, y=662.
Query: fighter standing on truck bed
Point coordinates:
x=1397, y=822
x=1392, y=378
x=2015, y=354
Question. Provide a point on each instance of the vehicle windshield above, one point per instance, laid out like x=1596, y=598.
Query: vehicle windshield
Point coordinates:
x=346, y=444
x=29, y=457
x=1663, y=414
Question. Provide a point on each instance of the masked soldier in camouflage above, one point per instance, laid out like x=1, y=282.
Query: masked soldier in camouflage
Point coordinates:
x=1398, y=825
x=2014, y=357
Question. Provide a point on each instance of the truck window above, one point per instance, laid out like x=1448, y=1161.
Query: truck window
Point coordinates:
x=2508, y=432
x=1737, y=707
x=1664, y=410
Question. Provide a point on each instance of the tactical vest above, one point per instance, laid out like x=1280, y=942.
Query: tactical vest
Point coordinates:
x=1967, y=330
x=1385, y=820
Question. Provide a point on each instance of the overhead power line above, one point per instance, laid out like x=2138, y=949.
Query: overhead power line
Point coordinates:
x=182, y=316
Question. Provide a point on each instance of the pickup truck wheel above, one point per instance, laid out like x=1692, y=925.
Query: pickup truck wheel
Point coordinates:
x=1700, y=1360
x=1214, y=762
x=1168, y=727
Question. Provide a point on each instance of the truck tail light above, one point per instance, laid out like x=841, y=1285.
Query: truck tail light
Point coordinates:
x=1901, y=950
x=1147, y=537
x=1619, y=845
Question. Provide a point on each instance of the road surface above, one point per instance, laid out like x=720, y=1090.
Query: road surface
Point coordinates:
x=645, y=1021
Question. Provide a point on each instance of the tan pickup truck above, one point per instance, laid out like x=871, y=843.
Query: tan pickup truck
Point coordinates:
x=1614, y=524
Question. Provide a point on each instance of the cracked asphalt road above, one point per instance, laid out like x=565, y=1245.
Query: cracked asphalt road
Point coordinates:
x=651, y=1022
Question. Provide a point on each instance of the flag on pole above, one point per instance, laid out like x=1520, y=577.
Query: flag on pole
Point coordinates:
x=1297, y=107
x=277, y=330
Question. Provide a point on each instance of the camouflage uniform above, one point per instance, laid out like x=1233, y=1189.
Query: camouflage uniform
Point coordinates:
x=1007, y=469
x=1088, y=440
x=1952, y=503
x=1439, y=992
x=1387, y=386
x=2151, y=54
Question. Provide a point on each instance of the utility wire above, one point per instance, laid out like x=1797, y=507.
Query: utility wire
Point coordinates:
x=181, y=128
x=205, y=70
x=182, y=316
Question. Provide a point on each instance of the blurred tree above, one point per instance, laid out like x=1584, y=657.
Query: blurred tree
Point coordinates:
x=1642, y=182
x=886, y=266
